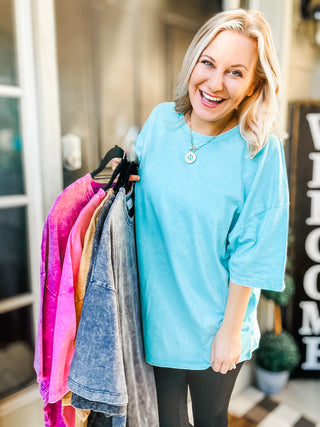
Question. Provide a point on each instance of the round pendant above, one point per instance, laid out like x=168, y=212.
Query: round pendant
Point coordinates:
x=190, y=157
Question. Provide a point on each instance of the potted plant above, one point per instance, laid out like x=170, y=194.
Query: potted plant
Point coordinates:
x=278, y=353
x=276, y=357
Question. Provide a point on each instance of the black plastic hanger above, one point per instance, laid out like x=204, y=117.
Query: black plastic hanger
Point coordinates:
x=123, y=171
x=119, y=170
x=130, y=168
x=116, y=151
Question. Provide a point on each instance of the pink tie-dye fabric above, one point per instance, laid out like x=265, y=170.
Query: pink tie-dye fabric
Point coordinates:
x=65, y=324
x=57, y=227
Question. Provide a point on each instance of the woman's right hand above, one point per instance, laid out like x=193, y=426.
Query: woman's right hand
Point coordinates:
x=114, y=164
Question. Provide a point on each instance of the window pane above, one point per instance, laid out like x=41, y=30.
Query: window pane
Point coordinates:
x=16, y=351
x=11, y=169
x=8, y=66
x=14, y=276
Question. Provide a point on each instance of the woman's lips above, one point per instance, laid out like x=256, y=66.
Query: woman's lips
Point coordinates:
x=210, y=101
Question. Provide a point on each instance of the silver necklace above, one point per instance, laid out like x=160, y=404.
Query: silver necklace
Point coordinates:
x=191, y=156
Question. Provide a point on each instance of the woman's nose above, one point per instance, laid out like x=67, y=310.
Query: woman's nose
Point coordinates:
x=216, y=82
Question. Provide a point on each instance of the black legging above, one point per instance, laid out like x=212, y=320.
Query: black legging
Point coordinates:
x=210, y=394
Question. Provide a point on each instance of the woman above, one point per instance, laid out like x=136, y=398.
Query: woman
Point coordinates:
x=211, y=210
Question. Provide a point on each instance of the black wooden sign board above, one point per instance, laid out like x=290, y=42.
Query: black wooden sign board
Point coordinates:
x=304, y=180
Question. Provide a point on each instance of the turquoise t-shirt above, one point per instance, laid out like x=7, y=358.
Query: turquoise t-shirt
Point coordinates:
x=224, y=217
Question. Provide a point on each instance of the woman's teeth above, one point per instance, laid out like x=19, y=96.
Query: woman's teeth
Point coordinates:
x=211, y=98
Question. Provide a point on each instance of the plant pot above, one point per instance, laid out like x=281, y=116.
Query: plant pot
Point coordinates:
x=271, y=382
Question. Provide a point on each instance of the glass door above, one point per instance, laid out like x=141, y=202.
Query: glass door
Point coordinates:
x=20, y=197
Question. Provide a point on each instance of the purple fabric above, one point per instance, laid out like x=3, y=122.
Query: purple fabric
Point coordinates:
x=57, y=227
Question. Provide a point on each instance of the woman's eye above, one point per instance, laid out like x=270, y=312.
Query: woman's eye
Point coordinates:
x=236, y=73
x=207, y=63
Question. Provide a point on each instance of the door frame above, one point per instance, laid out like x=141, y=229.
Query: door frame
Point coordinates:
x=37, y=93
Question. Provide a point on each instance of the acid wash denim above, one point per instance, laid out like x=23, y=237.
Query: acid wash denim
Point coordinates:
x=108, y=372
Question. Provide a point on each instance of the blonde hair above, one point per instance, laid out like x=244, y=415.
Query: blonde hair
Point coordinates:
x=257, y=113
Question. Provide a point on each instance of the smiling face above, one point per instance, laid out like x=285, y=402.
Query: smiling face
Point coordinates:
x=221, y=79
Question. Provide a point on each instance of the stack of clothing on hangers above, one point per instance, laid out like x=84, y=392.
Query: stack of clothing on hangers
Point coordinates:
x=89, y=354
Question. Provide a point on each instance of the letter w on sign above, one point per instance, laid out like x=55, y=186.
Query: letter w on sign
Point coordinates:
x=314, y=124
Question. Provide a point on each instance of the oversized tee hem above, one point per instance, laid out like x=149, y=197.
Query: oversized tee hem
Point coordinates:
x=246, y=355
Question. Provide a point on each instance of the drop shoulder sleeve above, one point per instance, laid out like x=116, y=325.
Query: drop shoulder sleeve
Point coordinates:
x=257, y=244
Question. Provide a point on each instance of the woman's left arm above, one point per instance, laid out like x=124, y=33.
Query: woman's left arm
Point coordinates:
x=226, y=345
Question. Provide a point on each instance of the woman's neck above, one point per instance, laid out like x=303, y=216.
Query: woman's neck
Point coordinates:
x=211, y=128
